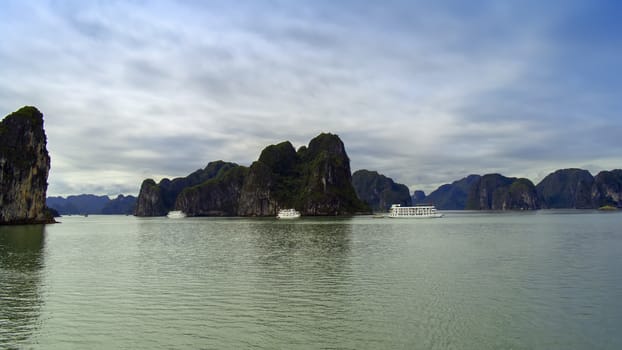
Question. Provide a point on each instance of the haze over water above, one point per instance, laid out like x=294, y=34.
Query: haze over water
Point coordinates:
x=537, y=280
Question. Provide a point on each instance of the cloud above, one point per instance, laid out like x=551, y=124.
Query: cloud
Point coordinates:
x=424, y=92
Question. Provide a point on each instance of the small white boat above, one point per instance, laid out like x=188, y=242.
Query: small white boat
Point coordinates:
x=176, y=214
x=416, y=212
x=288, y=214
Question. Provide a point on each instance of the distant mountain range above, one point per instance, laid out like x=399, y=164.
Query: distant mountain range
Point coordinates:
x=92, y=204
x=565, y=188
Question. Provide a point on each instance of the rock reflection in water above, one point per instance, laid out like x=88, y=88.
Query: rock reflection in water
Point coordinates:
x=21, y=262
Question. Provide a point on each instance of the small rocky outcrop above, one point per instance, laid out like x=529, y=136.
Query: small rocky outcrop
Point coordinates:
x=379, y=191
x=497, y=192
x=24, y=168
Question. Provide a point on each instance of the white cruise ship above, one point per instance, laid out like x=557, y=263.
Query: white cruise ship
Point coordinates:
x=176, y=214
x=288, y=214
x=418, y=211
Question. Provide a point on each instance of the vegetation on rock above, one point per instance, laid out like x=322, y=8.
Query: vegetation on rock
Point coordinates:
x=315, y=180
x=497, y=192
x=607, y=189
x=607, y=208
x=379, y=191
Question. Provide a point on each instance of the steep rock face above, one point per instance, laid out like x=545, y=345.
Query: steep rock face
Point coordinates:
x=326, y=179
x=497, y=192
x=216, y=197
x=379, y=191
x=607, y=189
x=172, y=188
x=487, y=191
x=150, y=201
x=272, y=181
x=24, y=168
x=453, y=196
x=566, y=188
x=522, y=195
x=158, y=199
x=256, y=195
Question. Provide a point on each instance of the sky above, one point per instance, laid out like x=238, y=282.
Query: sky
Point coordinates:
x=425, y=92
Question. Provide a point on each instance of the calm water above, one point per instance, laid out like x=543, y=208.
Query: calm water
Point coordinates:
x=545, y=280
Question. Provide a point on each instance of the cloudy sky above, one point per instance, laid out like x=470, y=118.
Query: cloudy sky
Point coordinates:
x=425, y=92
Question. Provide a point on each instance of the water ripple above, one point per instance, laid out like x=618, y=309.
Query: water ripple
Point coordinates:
x=464, y=282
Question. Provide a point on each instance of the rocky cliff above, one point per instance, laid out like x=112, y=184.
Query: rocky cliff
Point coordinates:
x=577, y=188
x=566, y=188
x=326, y=187
x=273, y=182
x=218, y=196
x=497, y=192
x=607, y=189
x=379, y=191
x=150, y=201
x=24, y=168
x=452, y=196
x=316, y=180
x=158, y=199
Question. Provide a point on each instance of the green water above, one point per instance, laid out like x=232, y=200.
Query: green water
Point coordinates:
x=544, y=280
